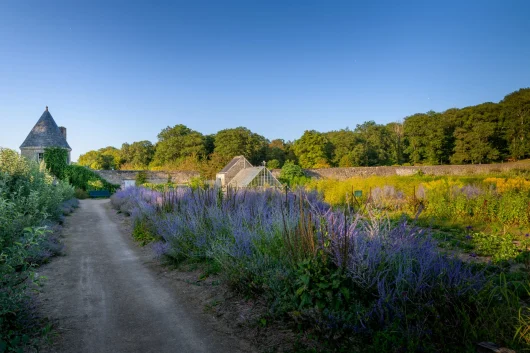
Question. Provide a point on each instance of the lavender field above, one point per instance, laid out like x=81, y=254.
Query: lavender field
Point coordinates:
x=352, y=281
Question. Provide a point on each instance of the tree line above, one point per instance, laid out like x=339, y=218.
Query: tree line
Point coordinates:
x=484, y=133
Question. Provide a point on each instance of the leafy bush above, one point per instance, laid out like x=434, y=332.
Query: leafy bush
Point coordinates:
x=86, y=179
x=29, y=200
x=273, y=164
x=197, y=183
x=142, y=233
x=499, y=247
x=290, y=173
x=81, y=194
x=56, y=160
x=141, y=178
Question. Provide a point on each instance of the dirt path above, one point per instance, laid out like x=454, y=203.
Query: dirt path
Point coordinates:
x=104, y=296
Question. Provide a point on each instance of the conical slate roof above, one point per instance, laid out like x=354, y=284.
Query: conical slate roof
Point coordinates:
x=45, y=133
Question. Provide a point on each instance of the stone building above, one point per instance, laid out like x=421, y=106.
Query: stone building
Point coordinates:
x=239, y=173
x=44, y=134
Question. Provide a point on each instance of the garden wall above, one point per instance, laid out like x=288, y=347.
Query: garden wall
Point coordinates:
x=469, y=169
x=156, y=177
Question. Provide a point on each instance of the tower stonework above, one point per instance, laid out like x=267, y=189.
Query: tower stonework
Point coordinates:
x=44, y=134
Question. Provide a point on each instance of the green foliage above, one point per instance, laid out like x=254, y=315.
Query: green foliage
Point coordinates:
x=523, y=321
x=197, y=183
x=28, y=197
x=318, y=284
x=141, y=178
x=137, y=155
x=142, y=233
x=273, y=164
x=374, y=145
x=177, y=142
x=313, y=150
x=81, y=194
x=15, y=277
x=290, y=172
x=241, y=141
x=56, y=160
x=280, y=151
x=429, y=138
x=475, y=136
x=499, y=247
x=103, y=159
x=485, y=133
x=85, y=179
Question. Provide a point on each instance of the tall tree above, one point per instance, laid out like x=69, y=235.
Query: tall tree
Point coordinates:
x=241, y=141
x=396, y=133
x=375, y=142
x=515, y=113
x=476, y=133
x=313, y=150
x=343, y=143
x=276, y=153
x=138, y=155
x=178, y=142
x=105, y=158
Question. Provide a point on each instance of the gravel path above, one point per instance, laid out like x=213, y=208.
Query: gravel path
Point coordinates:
x=105, y=297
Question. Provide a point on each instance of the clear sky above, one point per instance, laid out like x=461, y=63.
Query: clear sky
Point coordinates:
x=121, y=71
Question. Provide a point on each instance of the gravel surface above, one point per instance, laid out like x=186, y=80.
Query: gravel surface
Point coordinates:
x=104, y=295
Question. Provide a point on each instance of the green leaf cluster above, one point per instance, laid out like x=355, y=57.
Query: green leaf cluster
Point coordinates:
x=29, y=196
x=86, y=179
x=56, y=160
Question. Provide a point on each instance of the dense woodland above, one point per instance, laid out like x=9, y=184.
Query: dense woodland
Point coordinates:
x=484, y=133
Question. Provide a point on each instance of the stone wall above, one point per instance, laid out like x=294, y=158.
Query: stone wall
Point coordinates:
x=182, y=177
x=469, y=169
x=157, y=177
x=32, y=153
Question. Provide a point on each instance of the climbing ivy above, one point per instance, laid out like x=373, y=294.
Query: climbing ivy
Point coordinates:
x=86, y=179
x=56, y=160
x=80, y=177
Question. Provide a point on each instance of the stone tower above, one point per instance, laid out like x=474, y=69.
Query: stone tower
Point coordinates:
x=44, y=134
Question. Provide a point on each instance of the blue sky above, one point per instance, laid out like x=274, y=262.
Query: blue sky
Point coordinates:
x=121, y=71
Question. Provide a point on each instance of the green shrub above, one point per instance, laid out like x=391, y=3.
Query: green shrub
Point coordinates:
x=141, y=178
x=499, y=247
x=273, y=164
x=56, y=160
x=292, y=174
x=197, y=183
x=29, y=196
x=86, y=179
x=81, y=194
x=142, y=233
